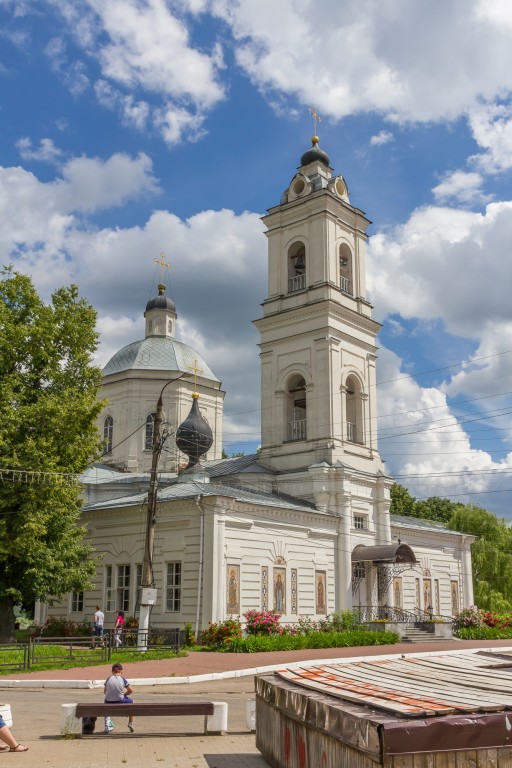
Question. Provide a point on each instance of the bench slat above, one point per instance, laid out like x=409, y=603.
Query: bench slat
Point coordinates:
x=146, y=709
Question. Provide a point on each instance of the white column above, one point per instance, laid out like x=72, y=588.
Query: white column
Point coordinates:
x=220, y=564
x=383, y=502
x=343, y=601
x=467, y=575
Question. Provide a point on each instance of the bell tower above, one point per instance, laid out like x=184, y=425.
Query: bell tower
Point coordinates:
x=318, y=339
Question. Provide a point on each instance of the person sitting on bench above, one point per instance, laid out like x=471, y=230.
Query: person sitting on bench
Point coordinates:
x=117, y=691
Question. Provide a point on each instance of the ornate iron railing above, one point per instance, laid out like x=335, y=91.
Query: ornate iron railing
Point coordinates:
x=388, y=613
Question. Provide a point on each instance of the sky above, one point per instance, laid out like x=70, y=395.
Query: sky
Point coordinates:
x=135, y=127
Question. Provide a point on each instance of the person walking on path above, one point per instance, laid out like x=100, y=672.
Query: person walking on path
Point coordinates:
x=118, y=628
x=117, y=691
x=97, y=627
x=8, y=739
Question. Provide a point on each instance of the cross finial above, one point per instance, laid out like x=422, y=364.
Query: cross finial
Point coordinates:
x=163, y=263
x=195, y=369
x=316, y=117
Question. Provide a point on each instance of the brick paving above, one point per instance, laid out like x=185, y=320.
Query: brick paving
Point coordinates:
x=170, y=742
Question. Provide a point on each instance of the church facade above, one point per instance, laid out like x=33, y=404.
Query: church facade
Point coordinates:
x=303, y=527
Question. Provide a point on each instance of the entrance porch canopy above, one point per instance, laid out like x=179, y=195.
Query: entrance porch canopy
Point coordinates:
x=384, y=553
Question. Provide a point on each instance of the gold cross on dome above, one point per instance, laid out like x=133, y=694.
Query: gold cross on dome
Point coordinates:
x=162, y=262
x=195, y=369
x=316, y=117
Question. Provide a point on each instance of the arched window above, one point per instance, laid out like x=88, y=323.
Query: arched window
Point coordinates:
x=346, y=277
x=108, y=431
x=354, y=432
x=296, y=267
x=150, y=429
x=296, y=409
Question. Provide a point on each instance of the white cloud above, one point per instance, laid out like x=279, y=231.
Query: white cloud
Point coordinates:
x=92, y=184
x=491, y=125
x=374, y=56
x=461, y=186
x=212, y=279
x=36, y=218
x=445, y=263
x=383, y=137
x=425, y=445
x=47, y=152
x=143, y=48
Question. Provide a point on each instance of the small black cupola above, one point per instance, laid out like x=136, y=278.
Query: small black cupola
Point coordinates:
x=315, y=154
x=194, y=436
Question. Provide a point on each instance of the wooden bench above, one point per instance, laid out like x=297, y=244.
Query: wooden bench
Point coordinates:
x=215, y=713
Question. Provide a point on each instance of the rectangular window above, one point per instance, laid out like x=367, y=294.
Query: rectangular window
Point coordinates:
x=77, y=602
x=123, y=587
x=110, y=604
x=359, y=522
x=173, y=587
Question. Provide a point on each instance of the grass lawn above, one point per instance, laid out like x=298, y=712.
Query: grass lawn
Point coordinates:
x=61, y=657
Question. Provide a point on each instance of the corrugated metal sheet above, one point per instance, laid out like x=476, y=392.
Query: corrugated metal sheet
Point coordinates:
x=360, y=714
x=414, y=687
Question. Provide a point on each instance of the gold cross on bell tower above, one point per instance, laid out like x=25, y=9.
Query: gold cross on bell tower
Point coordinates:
x=316, y=118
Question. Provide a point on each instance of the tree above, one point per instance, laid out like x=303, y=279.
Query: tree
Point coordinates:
x=491, y=555
x=48, y=406
x=402, y=503
x=436, y=508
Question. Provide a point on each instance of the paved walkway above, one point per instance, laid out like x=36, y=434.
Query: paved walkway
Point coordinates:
x=204, y=665
x=172, y=742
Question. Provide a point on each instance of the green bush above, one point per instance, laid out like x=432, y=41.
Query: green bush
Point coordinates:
x=484, y=633
x=189, y=635
x=56, y=626
x=288, y=642
x=221, y=634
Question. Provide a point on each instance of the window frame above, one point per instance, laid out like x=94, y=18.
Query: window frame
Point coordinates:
x=173, y=586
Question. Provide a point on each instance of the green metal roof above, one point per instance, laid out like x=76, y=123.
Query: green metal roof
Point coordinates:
x=158, y=353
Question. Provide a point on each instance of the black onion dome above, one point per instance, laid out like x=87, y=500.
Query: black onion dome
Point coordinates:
x=161, y=301
x=194, y=436
x=314, y=154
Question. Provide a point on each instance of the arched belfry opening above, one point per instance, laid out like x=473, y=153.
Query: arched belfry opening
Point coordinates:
x=296, y=408
x=354, y=421
x=346, y=270
x=296, y=267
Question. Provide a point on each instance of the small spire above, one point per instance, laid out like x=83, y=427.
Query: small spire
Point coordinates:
x=316, y=119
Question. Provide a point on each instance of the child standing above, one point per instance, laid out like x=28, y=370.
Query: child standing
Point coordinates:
x=117, y=690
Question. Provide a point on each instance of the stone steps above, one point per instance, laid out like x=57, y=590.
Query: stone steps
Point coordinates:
x=413, y=635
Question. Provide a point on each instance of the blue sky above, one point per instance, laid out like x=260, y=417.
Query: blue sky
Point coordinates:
x=130, y=128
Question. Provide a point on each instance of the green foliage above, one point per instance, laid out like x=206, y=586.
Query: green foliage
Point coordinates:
x=291, y=642
x=491, y=553
x=221, y=634
x=190, y=635
x=485, y=633
x=491, y=556
x=56, y=626
x=469, y=617
x=402, y=503
x=48, y=407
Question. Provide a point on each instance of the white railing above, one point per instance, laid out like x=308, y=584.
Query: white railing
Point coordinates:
x=297, y=430
x=351, y=432
x=297, y=283
x=345, y=285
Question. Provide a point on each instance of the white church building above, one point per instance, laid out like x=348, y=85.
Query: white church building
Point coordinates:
x=303, y=527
